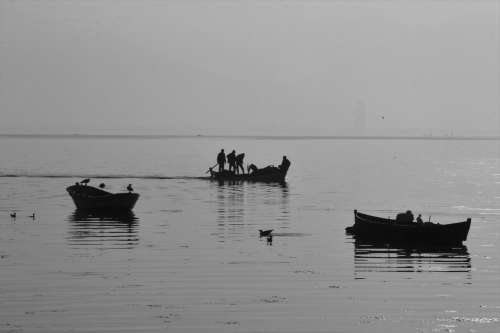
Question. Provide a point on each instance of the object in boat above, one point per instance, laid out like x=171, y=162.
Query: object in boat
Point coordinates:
x=267, y=174
x=264, y=233
x=85, y=181
x=92, y=198
x=379, y=228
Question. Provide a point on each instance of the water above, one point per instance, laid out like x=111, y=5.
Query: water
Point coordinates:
x=189, y=259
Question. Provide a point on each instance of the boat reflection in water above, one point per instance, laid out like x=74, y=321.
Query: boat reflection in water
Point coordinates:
x=241, y=207
x=103, y=229
x=386, y=258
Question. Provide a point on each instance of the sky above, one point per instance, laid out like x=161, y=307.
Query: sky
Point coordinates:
x=276, y=67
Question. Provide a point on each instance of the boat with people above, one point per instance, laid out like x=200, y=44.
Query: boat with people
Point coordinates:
x=268, y=174
x=88, y=197
x=402, y=230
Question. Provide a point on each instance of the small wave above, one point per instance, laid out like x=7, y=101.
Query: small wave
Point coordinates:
x=99, y=176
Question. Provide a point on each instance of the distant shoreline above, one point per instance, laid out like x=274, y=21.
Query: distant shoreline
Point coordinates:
x=253, y=137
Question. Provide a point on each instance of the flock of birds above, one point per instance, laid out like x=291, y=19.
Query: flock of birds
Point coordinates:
x=262, y=233
x=13, y=215
x=86, y=181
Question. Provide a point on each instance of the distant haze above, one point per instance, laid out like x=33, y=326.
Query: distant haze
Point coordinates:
x=250, y=67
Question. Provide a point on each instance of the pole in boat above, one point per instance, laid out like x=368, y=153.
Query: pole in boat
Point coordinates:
x=216, y=164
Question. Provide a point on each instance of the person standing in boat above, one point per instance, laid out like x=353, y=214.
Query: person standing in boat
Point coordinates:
x=221, y=160
x=239, y=163
x=231, y=160
x=285, y=164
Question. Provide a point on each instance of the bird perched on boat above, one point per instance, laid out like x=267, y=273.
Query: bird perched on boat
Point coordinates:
x=264, y=233
x=13, y=215
x=129, y=188
x=85, y=181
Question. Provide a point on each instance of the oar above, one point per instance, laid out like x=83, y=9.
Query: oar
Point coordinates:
x=216, y=164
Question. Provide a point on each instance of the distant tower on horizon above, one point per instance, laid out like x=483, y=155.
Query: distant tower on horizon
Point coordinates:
x=360, y=118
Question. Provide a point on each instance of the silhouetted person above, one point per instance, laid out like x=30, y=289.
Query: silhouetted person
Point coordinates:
x=405, y=218
x=129, y=188
x=419, y=219
x=252, y=168
x=285, y=164
x=239, y=163
x=221, y=160
x=409, y=215
x=231, y=160
x=102, y=185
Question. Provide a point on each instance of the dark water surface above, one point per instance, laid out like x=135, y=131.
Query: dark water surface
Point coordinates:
x=189, y=259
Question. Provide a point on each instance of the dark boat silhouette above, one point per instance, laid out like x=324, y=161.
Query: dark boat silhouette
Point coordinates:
x=95, y=199
x=267, y=174
x=378, y=228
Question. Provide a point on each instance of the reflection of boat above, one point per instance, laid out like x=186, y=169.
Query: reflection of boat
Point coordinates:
x=267, y=174
x=125, y=217
x=383, y=257
x=116, y=230
x=372, y=227
x=91, y=198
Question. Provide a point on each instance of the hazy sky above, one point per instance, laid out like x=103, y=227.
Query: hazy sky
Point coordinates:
x=249, y=67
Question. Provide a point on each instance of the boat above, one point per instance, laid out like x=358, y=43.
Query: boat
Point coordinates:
x=94, y=199
x=267, y=174
x=387, y=229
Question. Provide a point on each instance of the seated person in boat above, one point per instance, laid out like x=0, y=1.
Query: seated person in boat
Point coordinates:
x=405, y=218
x=419, y=219
x=239, y=163
x=285, y=164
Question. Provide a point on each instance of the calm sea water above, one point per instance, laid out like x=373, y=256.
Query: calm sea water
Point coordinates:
x=189, y=258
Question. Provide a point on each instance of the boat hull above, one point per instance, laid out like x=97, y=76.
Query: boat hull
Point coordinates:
x=377, y=228
x=92, y=199
x=269, y=174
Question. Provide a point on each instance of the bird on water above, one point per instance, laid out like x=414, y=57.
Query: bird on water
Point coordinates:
x=270, y=239
x=264, y=233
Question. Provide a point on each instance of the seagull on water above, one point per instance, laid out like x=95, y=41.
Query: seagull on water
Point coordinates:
x=270, y=239
x=264, y=233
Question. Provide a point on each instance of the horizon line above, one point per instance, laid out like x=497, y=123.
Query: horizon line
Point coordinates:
x=269, y=137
